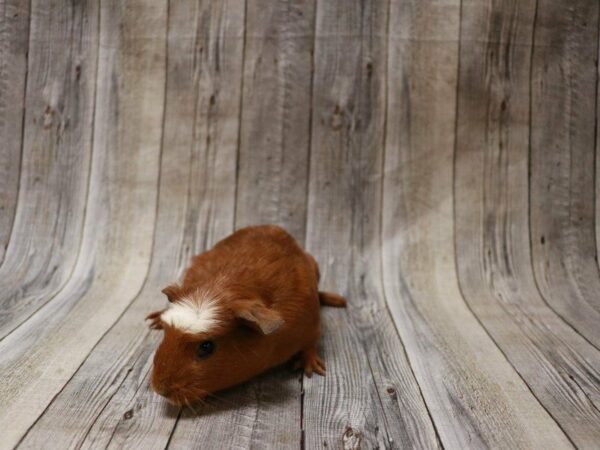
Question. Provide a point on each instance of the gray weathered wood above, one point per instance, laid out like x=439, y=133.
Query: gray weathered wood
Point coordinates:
x=563, y=133
x=492, y=221
x=360, y=345
x=437, y=157
x=275, y=133
x=271, y=188
x=55, y=159
x=196, y=208
x=42, y=354
x=596, y=165
x=14, y=40
x=475, y=398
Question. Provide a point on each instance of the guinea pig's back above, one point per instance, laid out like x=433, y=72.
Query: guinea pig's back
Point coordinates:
x=270, y=260
x=264, y=258
x=268, y=257
x=265, y=262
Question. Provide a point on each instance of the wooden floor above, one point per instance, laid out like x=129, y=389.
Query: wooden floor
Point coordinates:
x=438, y=157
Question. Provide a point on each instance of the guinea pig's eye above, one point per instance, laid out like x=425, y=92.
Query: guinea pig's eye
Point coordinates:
x=205, y=348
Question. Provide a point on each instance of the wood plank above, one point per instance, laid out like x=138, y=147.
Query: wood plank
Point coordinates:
x=56, y=152
x=596, y=159
x=44, y=352
x=475, y=398
x=108, y=402
x=492, y=223
x=273, y=158
x=369, y=398
x=14, y=42
x=563, y=133
x=272, y=177
x=491, y=366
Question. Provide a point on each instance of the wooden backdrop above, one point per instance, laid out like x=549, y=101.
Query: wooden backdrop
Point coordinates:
x=438, y=157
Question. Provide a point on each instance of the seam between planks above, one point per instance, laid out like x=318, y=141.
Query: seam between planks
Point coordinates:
x=414, y=305
x=382, y=195
x=595, y=182
x=310, y=115
x=592, y=404
x=76, y=262
x=307, y=189
x=173, y=430
x=114, y=430
x=118, y=318
x=380, y=232
x=14, y=215
x=109, y=400
x=454, y=162
x=529, y=199
x=240, y=109
x=506, y=357
x=385, y=419
x=88, y=183
x=158, y=181
x=83, y=219
x=67, y=383
x=184, y=250
x=237, y=164
x=510, y=363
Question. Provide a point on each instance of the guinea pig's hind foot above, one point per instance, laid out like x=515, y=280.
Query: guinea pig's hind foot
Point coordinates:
x=310, y=362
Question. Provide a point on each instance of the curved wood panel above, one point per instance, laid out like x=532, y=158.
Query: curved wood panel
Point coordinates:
x=475, y=398
x=14, y=40
x=275, y=128
x=195, y=209
x=563, y=144
x=360, y=345
x=438, y=157
x=271, y=188
x=493, y=250
x=43, y=353
x=57, y=141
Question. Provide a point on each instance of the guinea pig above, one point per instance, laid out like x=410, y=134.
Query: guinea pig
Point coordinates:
x=248, y=304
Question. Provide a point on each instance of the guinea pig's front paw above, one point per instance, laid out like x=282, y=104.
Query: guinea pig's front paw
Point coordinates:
x=310, y=362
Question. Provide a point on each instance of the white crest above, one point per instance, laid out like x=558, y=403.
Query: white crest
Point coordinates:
x=192, y=315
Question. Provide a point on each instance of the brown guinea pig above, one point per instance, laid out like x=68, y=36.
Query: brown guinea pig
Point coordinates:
x=248, y=304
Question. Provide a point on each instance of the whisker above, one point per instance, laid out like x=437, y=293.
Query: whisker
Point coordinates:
x=189, y=405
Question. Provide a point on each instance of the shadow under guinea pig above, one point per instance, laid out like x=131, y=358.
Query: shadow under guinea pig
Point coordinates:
x=279, y=385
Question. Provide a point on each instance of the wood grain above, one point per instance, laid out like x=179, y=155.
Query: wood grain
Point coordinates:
x=492, y=221
x=437, y=157
x=271, y=188
x=596, y=165
x=360, y=345
x=563, y=133
x=275, y=133
x=57, y=142
x=475, y=398
x=14, y=40
x=44, y=352
x=195, y=209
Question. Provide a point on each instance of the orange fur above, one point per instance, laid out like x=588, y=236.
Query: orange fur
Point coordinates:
x=266, y=286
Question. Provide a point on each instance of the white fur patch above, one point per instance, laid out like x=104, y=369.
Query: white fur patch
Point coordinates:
x=192, y=316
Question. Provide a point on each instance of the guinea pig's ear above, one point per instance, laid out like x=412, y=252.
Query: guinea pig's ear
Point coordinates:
x=258, y=316
x=172, y=291
x=156, y=322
